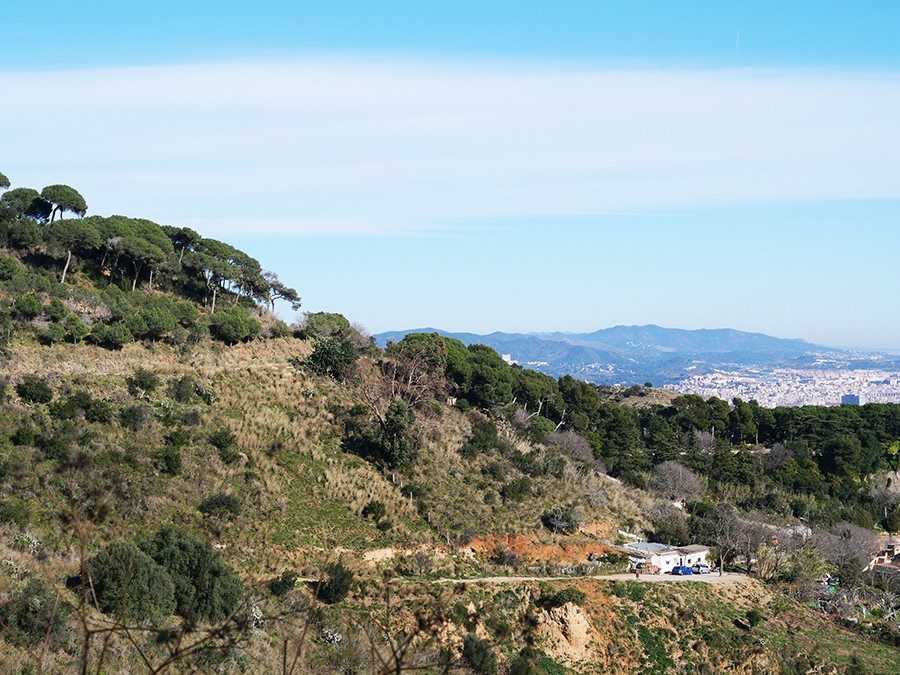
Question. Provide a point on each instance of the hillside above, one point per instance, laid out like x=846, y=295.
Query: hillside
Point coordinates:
x=300, y=503
x=187, y=484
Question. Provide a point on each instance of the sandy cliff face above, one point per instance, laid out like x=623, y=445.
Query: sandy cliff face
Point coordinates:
x=567, y=633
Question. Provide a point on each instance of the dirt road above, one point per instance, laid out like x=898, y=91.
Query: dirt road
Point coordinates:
x=727, y=578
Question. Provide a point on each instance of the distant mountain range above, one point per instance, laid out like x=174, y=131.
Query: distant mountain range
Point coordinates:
x=638, y=354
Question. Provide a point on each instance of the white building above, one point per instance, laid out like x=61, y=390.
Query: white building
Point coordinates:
x=665, y=557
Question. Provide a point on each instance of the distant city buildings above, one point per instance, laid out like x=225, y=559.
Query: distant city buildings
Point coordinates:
x=772, y=387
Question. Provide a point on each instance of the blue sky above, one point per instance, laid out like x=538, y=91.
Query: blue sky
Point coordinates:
x=493, y=166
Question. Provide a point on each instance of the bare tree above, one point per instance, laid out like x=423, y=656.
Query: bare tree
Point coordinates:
x=705, y=441
x=848, y=547
x=360, y=337
x=670, y=525
x=571, y=443
x=724, y=530
x=883, y=500
x=777, y=457
x=675, y=481
x=751, y=535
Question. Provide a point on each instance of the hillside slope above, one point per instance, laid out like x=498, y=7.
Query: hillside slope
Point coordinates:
x=300, y=500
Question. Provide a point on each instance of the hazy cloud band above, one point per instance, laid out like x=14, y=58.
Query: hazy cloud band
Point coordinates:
x=352, y=146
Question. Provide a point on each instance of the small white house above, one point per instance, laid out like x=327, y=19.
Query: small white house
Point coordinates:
x=666, y=557
x=693, y=554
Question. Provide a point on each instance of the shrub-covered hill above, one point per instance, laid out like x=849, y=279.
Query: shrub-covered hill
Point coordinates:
x=156, y=435
x=239, y=449
x=188, y=484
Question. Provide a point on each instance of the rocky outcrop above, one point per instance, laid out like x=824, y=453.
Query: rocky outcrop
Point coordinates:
x=566, y=632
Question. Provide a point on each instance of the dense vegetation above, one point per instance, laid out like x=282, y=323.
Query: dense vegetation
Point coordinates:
x=113, y=259
x=812, y=462
x=178, y=468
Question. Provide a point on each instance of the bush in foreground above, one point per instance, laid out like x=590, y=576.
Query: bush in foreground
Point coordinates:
x=130, y=585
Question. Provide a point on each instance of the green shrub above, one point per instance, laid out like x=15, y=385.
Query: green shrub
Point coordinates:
x=399, y=443
x=482, y=439
x=36, y=613
x=98, y=411
x=495, y=470
x=24, y=435
x=170, y=460
x=324, y=325
x=117, y=336
x=561, y=519
x=56, y=310
x=25, y=233
x=130, y=585
x=142, y=381
x=159, y=321
x=28, y=306
x=560, y=598
x=54, y=334
x=279, y=329
x=55, y=447
x=630, y=589
x=754, y=617
x=9, y=267
x=233, y=325
x=184, y=313
x=34, y=389
x=517, y=490
x=224, y=441
x=222, y=505
x=206, y=589
x=132, y=417
x=281, y=586
x=94, y=410
x=374, y=510
x=136, y=325
x=178, y=438
x=479, y=656
x=64, y=409
x=182, y=390
x=113, y=336
x=331, y=357
x=540, y=428
x=197, y=332
x=336, y=585
x=14, y=512
x=76, y=329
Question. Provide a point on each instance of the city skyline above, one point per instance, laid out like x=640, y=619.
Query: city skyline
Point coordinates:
x=512, y=167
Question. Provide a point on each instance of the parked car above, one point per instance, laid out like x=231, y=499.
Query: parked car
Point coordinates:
x=700, y=568
x=681, y=570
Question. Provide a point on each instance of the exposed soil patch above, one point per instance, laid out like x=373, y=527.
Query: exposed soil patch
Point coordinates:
x=531, y=550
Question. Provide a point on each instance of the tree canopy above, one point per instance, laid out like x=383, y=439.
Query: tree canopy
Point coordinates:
x=64, y=198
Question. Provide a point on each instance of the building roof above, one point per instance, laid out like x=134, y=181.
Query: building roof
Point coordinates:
x=693, y=548
x=646, y=549
x=649, y=548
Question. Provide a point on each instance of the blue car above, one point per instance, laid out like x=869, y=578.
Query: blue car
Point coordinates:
x=681, y=570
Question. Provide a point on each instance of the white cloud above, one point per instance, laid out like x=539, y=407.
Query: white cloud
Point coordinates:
x=355, y=146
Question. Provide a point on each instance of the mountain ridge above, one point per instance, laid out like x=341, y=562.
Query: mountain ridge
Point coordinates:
x=631, y=354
